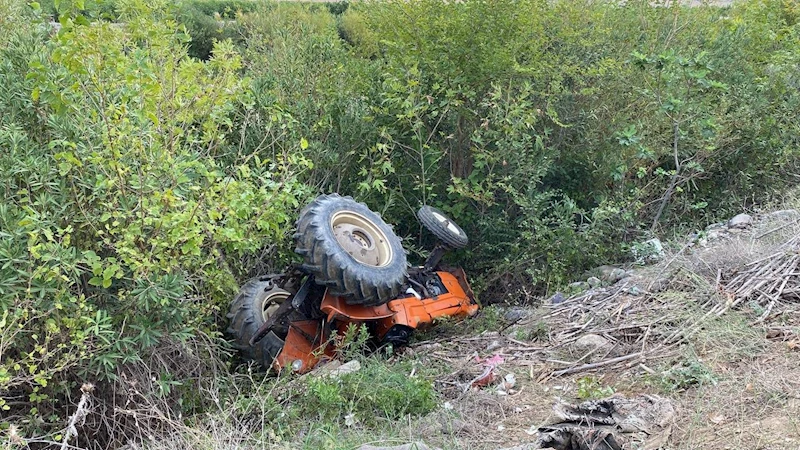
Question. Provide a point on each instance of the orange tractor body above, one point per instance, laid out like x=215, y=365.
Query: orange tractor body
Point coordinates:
x=309, y=342
x=354, y=272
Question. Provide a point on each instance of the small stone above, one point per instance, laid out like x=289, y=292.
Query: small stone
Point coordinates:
x=603, y=272
x=593, y=282
x=715, y=234
x=617, y=274
x=515, y=314
x=740, y=221
x=634, y=290
x=557, y=298
x=494, y=345
x=454, y=426
x=589, y=342
x=656, y=246
x=348, y=367
x=649, y=251
x=783, y=214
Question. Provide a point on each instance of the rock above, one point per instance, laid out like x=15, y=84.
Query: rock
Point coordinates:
x=515, y=314
x=603, y=272
x=783, y=214
x=740, y=221
x=716, y=234
x=589, y=342
x=557, y=298
x=649, y=251
x=454, y=426
x=617, y=274
x=594, y=282
x=634, y=290
x=348, y=367
x=656, y=247
x=606, y=273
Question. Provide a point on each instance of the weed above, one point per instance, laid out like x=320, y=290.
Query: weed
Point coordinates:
x=488, y=319
x=375, y=392
x=590, y=387
x=683, y=376
x=538, y=331
x=352, y=343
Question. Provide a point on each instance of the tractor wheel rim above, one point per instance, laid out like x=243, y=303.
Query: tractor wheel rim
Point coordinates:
x=448, y=223
x=361, y=238
x=271, y=302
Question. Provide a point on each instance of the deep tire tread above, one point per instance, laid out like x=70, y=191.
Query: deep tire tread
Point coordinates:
x=333, y=267
x=246, y=319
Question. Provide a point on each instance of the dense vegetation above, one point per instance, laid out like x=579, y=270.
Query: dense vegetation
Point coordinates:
x=145, y=175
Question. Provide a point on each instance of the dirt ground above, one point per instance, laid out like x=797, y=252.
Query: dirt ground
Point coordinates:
x=730, y=367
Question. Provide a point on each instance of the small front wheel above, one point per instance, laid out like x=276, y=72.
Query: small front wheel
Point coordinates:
x=442, y=227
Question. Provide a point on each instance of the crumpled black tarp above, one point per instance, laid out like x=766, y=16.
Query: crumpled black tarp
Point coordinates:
x=614, y=423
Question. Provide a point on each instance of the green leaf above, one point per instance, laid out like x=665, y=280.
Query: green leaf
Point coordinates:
x=303, y=143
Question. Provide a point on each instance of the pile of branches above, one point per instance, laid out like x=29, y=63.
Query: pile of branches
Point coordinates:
x=769, y=281
x=637, y=327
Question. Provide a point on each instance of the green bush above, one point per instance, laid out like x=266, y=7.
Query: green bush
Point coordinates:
x=210, y=21
x=555, y=132
x=128, y=214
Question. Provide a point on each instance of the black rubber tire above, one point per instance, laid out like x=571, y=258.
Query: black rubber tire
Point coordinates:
x=246, y=317
x=442, y=227
x=332, y=266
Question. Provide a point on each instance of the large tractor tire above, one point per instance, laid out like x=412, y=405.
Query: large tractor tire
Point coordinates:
x=256, y=302
x=442, y=227
x=351, y=250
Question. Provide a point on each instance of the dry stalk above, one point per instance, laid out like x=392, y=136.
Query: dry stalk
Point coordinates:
x=79, y=417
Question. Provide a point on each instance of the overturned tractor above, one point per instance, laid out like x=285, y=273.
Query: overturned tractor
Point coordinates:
x=354, y=271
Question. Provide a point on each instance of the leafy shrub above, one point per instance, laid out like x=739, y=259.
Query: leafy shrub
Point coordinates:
x=556, y=133
x=129, y=213
x=210, y=21
x=590, y=387
x=685, y=375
